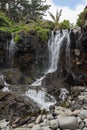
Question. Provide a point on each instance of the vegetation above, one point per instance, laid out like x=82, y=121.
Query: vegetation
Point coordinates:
x=17, y=10
x=82, y=17
x=65, y=24
x=56, y=18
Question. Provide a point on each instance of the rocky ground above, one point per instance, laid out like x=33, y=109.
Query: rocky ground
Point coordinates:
x=70, y=115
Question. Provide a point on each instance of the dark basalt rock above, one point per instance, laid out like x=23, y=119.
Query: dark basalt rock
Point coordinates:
x=5, y=38
x=13, y=106
x=82, y=41
x=31, y=55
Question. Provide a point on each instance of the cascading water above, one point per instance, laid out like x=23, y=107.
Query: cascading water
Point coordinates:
x=68, y=57
x=43, y=99
x=11, y=51
x=54, y=45
x=54, y=50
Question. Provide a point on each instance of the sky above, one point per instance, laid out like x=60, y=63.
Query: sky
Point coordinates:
x=70, y=9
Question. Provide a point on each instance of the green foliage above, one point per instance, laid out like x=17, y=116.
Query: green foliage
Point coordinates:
x=43, y=33
x=48, y=24
x=82, y=17
x=16, y=37
x=4, y=20
x=65, y=24
x=56, y=18
x=41, y=28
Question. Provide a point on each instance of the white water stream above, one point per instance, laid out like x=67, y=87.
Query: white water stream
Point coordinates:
x=54, y=45
x=11, y=51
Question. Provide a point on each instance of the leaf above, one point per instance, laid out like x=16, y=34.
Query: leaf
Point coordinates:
x=52, y=16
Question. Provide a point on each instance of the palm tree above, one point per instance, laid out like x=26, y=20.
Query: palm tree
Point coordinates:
x=56, y=18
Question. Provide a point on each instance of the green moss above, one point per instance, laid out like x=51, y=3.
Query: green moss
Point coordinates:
x=16, y=38
x=29, y=80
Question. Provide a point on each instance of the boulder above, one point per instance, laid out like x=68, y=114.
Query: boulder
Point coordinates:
x=68, y=122
x=13, y=76
x=13, y=106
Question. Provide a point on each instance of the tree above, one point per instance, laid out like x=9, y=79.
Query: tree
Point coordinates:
x=17, y=9
x=82, y=17
x=65, y=24
x=56, y=18
x=37, y=9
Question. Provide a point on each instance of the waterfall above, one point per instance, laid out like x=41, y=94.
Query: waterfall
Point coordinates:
x=54, y=45
x=68, y=57
x=5, y=84
x=11, y=51
x=43, y=99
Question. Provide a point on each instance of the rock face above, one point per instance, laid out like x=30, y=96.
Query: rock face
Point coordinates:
x=30, y=55
x=15, y=106
x=5, y=38
x=79, y=58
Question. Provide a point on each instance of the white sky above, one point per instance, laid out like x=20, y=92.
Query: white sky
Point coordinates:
x=67, y=13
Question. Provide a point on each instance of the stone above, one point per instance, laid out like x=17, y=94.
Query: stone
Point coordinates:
x=15, y=105
x=68, y=122
x=85, y=128
x=3, y=123
x=81, y=125
x=54, y=124
x=46, y=121
x=1, y=81
x=83, y=114
x=20, y=128
x=85, y=120
x=75, y=113
x=45, y=128
x=43, y=117
x=49, y=117
x=8, y=128
x=31, y=125
x=38, y=119
x=43, y=124
x=36, y=127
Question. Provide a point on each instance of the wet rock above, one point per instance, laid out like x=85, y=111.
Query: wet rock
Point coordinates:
x=13, y=76
x=13, y=106
x=4, y=123
x=1, y=82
